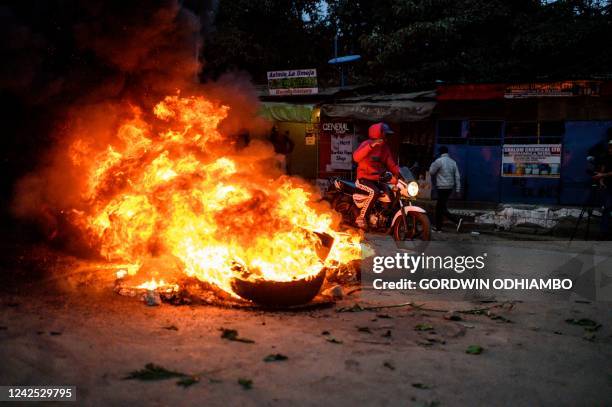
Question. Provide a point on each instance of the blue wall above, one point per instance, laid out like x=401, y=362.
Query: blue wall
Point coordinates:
x=480, y=168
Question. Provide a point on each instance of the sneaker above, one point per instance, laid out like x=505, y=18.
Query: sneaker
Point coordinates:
x=459, y=224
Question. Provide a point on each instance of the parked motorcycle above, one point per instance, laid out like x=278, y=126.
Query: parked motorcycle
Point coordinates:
x=392, y=211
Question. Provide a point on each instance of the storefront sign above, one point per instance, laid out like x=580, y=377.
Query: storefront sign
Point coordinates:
x=338, y=128
x=293, y=82
x=554, y=89
x=531, y=160
x=342, y=152
x=341, y=136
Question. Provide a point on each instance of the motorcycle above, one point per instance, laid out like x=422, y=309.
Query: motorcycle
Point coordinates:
x=392, y=211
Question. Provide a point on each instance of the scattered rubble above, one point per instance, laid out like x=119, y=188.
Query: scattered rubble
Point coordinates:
x=510, y=216
x=152, y=298
x=336, y=292
x=232, y=335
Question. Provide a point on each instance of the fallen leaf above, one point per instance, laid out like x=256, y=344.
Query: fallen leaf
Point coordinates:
x=387, y=334
x=585, y=322
x=325, y=333
x=364, y=329
x=452, y=316
x=188, y=381
x=589, y=336
x=170, y=328
x=499, y=318
x=422, y=386
x=433, y=403
x=354, y=308
x=423, y=327
x=474, y=312
x=389, y=365
x=153, y=372
x=246, y=384
x=275, y=357
x=55, y=333
x=232, y=335
x=386, y=316
x=474, y=350
x=334, y=340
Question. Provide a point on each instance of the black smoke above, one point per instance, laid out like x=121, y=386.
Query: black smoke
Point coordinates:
x=67, y=62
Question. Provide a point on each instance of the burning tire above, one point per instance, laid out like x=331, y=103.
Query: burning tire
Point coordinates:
x=279, y=293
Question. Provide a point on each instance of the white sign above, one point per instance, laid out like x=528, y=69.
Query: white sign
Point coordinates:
x=531, y=160
x=293, y=82
x=342, y=152
x=337, y=127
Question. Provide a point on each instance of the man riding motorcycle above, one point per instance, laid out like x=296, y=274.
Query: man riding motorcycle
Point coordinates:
x=373, y=158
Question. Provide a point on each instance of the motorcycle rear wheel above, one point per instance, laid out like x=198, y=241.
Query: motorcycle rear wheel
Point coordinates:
x=343, y=204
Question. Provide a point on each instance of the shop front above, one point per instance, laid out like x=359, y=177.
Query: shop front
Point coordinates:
x=301, y=124
x=344, y=125
x=523, y=143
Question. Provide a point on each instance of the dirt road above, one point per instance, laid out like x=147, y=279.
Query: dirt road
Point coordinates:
x=383, y=357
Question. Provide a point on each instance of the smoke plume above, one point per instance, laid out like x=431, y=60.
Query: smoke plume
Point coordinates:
x=76, y=70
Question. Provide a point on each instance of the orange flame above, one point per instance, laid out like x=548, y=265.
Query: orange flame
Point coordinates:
x=173, y=186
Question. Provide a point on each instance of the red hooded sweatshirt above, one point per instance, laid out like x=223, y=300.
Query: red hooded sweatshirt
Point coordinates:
x=374, y=161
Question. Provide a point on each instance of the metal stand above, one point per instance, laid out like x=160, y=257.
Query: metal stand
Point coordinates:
x=587, y=207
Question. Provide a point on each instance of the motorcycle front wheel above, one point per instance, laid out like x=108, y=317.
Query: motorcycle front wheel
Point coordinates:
x=418, y=227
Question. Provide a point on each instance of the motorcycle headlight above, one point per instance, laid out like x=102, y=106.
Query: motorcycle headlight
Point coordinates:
x=413, y=188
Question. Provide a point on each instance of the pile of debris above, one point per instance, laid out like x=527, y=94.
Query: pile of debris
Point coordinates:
x=187, y=291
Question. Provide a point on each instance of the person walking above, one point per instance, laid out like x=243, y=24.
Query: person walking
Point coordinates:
x=283, y=147
x=444, y=170
x=604, y=178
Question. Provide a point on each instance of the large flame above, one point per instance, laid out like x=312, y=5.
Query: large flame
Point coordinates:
x=175, y=186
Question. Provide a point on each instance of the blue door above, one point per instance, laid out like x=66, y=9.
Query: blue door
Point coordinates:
x=481, y=175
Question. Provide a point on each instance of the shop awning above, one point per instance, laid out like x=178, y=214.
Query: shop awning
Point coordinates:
x=396, y=108
x=287, y=112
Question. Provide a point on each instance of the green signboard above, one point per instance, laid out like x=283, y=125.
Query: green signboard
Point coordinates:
x=293, y=82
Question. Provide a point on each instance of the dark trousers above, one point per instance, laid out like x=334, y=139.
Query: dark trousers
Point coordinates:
x=605, y=216
x=442, y=208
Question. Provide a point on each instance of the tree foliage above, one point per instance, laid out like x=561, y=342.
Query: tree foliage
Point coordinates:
x=262, y=35
x=409, y=44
